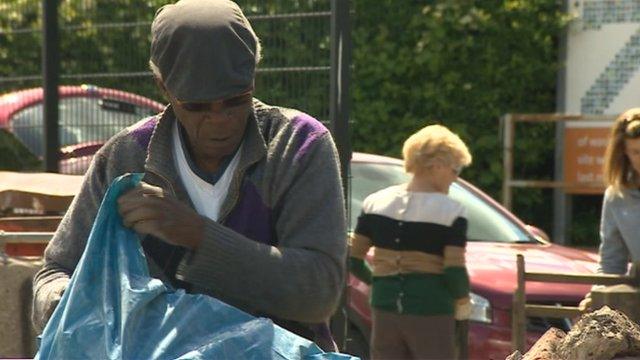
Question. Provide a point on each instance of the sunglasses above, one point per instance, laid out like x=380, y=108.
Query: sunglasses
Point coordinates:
x=221, y=105
x=632, y=127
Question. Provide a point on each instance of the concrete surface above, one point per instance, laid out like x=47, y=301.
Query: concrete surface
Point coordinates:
x=17, y=336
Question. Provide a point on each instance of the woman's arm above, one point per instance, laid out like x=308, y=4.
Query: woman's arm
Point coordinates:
x=614, y=255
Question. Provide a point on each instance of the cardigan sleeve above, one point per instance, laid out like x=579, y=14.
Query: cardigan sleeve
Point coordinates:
x=455, y=270
x=614, y=254
x=358, y=248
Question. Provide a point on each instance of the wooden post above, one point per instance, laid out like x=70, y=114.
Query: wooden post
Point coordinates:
x=507, y=160
x=518, y=319
x=462, y=340
x=622, y=293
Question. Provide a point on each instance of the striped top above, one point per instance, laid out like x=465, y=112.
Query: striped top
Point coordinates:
x=418, y=241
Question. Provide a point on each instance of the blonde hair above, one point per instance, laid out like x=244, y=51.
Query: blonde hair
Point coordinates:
x=618, y=173
x=434, y=143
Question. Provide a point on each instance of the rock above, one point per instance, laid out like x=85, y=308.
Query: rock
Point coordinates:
x=516, y=355
x=600, y=335
x=543, y=349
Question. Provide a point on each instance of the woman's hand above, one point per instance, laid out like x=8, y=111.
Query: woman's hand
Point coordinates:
x=147, y=210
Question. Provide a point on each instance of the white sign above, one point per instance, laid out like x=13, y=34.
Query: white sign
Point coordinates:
x=603, y=58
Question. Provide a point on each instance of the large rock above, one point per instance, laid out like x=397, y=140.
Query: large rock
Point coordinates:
x=600, y=335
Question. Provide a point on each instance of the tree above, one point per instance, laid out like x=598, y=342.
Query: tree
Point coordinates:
x=462, y=64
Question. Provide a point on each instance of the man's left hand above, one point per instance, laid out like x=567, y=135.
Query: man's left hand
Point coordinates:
x=147, y=210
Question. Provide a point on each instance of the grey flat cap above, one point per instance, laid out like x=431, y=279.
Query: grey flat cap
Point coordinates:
x=205, y=50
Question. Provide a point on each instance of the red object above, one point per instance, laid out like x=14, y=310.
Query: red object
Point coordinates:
x=13, y=102
x=30, y=224
x=20, y=250
x=75, y=157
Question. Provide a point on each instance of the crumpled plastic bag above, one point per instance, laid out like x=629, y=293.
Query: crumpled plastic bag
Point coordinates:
x=113, y=309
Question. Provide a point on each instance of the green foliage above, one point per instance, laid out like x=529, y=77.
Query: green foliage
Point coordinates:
x=289, y=43
x=20, y=39
x=14, y=156
x=462, y=64
x=586, y=218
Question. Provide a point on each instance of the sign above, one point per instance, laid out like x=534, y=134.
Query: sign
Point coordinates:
x=602, y=78
x=584, y=158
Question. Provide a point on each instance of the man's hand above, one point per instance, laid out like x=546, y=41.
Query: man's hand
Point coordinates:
x=147, y=210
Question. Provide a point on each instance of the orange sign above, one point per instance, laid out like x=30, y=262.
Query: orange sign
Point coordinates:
x=584, y=149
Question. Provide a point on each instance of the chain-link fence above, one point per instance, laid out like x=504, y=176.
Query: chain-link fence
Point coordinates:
x=105, y=83
x=104, y=51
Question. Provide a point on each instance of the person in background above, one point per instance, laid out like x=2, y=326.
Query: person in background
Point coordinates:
x=240, y=200
x=620, y=219
x=418, y=276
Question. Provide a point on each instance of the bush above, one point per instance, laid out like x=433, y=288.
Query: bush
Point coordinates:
x=462, y=64
x=14, y=156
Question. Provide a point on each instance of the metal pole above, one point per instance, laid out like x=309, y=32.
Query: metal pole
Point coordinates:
x=340, y=80
x=339, y=115
x=51, y=75
x=561, y=202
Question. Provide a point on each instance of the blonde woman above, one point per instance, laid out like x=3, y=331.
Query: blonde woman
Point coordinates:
x=620, y=220
x=418, y=233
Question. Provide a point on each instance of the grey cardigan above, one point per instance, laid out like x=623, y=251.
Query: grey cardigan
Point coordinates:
x=279, y=248
x=619, y=231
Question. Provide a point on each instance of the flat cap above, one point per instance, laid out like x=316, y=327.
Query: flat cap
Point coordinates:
x=205, y=50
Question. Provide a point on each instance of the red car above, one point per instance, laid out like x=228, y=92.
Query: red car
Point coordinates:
x=495, y=237
x=89, y=115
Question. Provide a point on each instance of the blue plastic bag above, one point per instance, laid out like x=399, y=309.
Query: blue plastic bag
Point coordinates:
x=113, y=309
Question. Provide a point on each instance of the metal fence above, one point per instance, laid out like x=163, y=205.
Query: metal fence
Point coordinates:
x=103, y=58
x=95, y=53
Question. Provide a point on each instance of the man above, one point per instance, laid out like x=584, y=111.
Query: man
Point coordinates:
x=240, y=200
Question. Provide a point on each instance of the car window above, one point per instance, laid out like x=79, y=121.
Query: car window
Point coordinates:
x=485, y=222
x=82, y=120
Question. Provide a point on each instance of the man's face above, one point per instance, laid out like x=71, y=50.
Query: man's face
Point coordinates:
x=214, y=129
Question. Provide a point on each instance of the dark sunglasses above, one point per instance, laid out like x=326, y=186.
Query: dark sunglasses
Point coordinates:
x=235, y=101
